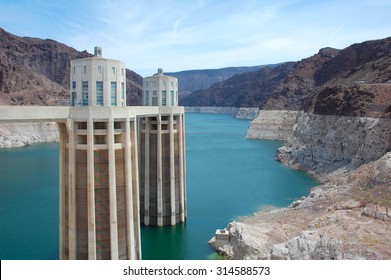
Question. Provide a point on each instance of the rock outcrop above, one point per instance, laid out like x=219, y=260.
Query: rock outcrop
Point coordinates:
x=24, y=134
x=324, y=143
x=273, y=125
x=239, y=113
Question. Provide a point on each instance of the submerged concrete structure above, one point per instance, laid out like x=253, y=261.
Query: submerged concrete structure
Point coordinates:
x=104, y=154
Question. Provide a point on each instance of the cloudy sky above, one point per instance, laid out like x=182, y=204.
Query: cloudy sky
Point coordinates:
x=199, y=34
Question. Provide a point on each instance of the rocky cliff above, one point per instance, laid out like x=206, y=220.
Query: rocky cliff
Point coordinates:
x=273, y=125
x=324, y=143
x=351, y=158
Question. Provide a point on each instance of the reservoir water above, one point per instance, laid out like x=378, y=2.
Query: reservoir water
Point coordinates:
x=228, y=176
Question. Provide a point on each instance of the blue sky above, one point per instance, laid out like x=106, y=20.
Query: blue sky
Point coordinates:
x=199, y=34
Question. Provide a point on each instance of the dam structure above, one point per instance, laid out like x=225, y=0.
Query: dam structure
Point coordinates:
x=103, y=154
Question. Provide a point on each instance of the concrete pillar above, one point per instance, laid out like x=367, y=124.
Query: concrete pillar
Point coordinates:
x=129, y=193
x=72, y=190
x=172, y=170
x=181, y=167
x=136, y=197
x=146, y=172
x=91, y=191
x=62, y=174
x=112, y=192
x=159, y=172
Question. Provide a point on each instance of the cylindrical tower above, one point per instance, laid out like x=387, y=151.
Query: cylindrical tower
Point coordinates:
x=98, y=187
x=162, y=155
x=97, y=81
x=99, y=198
x=160, y=90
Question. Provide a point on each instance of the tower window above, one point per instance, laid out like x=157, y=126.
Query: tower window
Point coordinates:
x=99, y=69
x=164, y=98
x=113, y=93
x=84, y=91
x=113, y=69
x=122, y=90
x=147, y=97
x=172, y=98
x=73, y=84
x=85, y=69
x=99, y=93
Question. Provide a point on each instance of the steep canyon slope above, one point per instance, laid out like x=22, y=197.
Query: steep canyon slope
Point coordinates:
x=333, y=112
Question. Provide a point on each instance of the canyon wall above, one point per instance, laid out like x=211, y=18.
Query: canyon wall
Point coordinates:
x=239, y=113
x=321, y=142
x=325, y=143
x=273, y=125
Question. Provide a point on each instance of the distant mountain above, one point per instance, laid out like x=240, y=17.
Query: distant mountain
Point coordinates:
x=36, y=71
x=192, y=80
x=355, y=81
x=242, y=90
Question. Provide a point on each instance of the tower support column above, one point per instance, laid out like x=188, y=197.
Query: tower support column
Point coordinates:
x=159, y=172
x=130, y=218
x=112, y=191
x=146, y=172
x=91, y=191
x=72, y=190
x=182, y=174
x=172, y=170
x=62, y=173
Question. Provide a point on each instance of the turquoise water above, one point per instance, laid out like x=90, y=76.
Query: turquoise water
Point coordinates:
x=227, y=176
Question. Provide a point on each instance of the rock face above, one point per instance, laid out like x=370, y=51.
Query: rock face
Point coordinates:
x=329, y=142
x=23, y=134
x=239, y=113
x=273, y=125
x=34, y=71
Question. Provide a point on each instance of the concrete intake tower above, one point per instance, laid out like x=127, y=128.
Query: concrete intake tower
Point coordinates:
x=117, y=163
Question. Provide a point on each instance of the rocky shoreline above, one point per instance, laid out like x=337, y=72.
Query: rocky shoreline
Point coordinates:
x=13, y=135
x=348, y=216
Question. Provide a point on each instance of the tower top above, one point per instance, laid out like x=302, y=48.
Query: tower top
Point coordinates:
x=98, y=51
x=160, y=71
